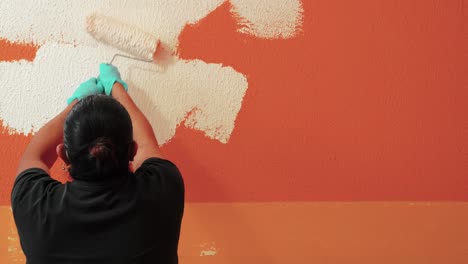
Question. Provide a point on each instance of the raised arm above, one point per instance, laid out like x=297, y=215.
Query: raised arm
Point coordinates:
x=142, y=131
x=41, y=151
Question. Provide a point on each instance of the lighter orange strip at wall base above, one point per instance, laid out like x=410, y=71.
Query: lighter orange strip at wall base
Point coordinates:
x=309, y=232
x=12, y=51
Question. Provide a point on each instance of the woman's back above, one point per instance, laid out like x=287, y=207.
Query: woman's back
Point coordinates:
x=133, y=218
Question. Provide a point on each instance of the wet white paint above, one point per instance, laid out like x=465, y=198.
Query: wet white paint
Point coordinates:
x=269, y=18
x=207, y=96
x=212, y=93
x=123, y=36
x=42, y=21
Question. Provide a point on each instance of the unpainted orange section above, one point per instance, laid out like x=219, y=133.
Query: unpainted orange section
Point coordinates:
x=323, y=232
x=10, y=51
x=367, y=103
x=12, y=146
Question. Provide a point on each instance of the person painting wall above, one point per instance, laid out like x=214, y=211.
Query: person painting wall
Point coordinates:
x=339, y=135
x=101, y=139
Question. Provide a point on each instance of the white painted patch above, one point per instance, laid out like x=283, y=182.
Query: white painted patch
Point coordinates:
x=208, y=253
x=165, y=94
x=34, y=92
x=209, y=249
x=207, y=96
x=210, y=94
x=12, y=239
x=42, y=21
x=269, y=18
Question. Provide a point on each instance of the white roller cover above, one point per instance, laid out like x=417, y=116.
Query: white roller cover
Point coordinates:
x=122, y=36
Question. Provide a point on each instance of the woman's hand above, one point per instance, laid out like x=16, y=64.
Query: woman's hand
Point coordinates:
x=108, y=75
x=91, y=86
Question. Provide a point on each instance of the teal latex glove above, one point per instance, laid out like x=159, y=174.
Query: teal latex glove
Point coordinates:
x=108, y=75
x=91, y=86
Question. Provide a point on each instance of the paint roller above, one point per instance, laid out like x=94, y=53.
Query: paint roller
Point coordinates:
x=142, y=45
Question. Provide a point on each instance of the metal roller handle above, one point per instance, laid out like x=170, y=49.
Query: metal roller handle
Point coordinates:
x=128, y=57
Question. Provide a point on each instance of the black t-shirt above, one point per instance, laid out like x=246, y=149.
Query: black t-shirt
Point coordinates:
x=134, y=218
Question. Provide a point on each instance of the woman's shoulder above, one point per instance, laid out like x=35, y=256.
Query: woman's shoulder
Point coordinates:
x=162, y=173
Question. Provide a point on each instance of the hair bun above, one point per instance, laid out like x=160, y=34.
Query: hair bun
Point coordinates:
x=102, y=149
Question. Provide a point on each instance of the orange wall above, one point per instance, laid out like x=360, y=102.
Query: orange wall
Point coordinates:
x=368, y=103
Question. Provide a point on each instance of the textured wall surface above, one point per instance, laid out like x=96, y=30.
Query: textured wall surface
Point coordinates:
x=327, y=131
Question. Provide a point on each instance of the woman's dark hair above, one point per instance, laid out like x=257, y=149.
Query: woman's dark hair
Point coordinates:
x=97, y=137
